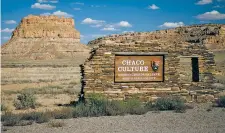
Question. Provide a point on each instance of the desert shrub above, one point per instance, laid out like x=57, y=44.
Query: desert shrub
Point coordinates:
x=39, y=117
x=115, y=108
x=56, y=124
x=170, y=103
x=81, y=111
x=149, y=106
x=24, y=123
x=135, y=106
x=10, y=119
x=45, y=117
x=3, y=107
x=221, y=102
x=25, y=100
x=65, y=113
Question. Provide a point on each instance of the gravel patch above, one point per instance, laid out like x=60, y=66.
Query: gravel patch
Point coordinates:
x=197, y=120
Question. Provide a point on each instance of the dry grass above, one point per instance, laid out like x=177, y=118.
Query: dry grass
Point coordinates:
x=56, y=124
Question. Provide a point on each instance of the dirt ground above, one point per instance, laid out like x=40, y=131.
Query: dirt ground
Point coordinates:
x=202, y=119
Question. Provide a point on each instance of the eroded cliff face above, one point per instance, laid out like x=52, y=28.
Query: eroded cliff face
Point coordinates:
x=44, y=37
x=210, y=35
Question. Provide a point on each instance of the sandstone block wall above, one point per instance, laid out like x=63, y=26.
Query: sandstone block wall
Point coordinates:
x=98, y=70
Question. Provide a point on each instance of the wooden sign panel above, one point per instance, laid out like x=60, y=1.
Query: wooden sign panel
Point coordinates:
x=140, y=68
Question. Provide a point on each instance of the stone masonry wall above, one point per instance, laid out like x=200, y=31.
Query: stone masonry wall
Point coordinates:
x=98, y=70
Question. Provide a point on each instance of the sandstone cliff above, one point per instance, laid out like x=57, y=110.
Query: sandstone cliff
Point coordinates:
x=44, y=37
x=211, y=35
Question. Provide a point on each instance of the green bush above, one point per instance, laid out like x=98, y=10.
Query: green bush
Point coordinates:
x=221, y=102
x=65, y=113
x=10, y=119
x=25, y=100
x=97, y=105
x=38, y=117
x=81, y=111
x=45, y=117
x=114, y=108
x=3, y=107
x=170, y=103
x=135, y=106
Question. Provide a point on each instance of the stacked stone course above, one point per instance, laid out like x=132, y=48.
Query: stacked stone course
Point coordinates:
x=179, y=44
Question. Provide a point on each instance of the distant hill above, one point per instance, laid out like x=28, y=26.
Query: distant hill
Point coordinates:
x=44, y=37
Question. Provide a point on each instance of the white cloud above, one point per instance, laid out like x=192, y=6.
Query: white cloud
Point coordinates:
x=78, y=3
x=42, y=1
x=153, y=7
x=203, y=2
x=171, y=24
x=54, y=1
x=213, y=15
x=7, y=30
x=128, y=31
x=218, y=6
x=95, y=6
x=124, y=24
x=5, y=37
x=77, y=9
x=92, y=21
x=43, y=6
x=45, y=14
x=97, y=25
x=109, y=29
x=10, y=22
x=45, y=1
x=58, y=13
x=97, y=35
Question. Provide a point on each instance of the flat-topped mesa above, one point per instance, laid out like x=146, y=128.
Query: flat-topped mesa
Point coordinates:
x=211, y=35
x=46, y=26
x=44, y=37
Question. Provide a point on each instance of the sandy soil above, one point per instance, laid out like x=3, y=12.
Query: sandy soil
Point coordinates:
x=197, y=120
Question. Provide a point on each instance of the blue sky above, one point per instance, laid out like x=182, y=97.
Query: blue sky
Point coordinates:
x=94, y=18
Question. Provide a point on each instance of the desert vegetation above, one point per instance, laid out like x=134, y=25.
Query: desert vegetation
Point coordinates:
x=95, y=106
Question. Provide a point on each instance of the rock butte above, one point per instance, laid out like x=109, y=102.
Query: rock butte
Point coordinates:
x=44, y=37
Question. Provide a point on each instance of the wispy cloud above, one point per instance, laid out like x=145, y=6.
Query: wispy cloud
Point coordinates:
x=203, y=2
x=42, y=1
x=128, y=31
x=109, y=29
x=92, y=21
x=45, y=1
x=7, y=30
x=10, y=22
x=78, y=3
x=213, y=15
x=77, y=9
x=43, y=6
x=53, y=1
x=124, y=24
x=58, y=13
x=218, y=6
x=5, y=37
x=153, y=7
x=171, y=24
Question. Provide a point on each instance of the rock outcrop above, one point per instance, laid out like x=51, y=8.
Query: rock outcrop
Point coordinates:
x=210, y=35
x=44, y=37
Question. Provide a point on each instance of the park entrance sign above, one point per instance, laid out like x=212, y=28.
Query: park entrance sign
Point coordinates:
x=139, y=68
x=148, y=66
